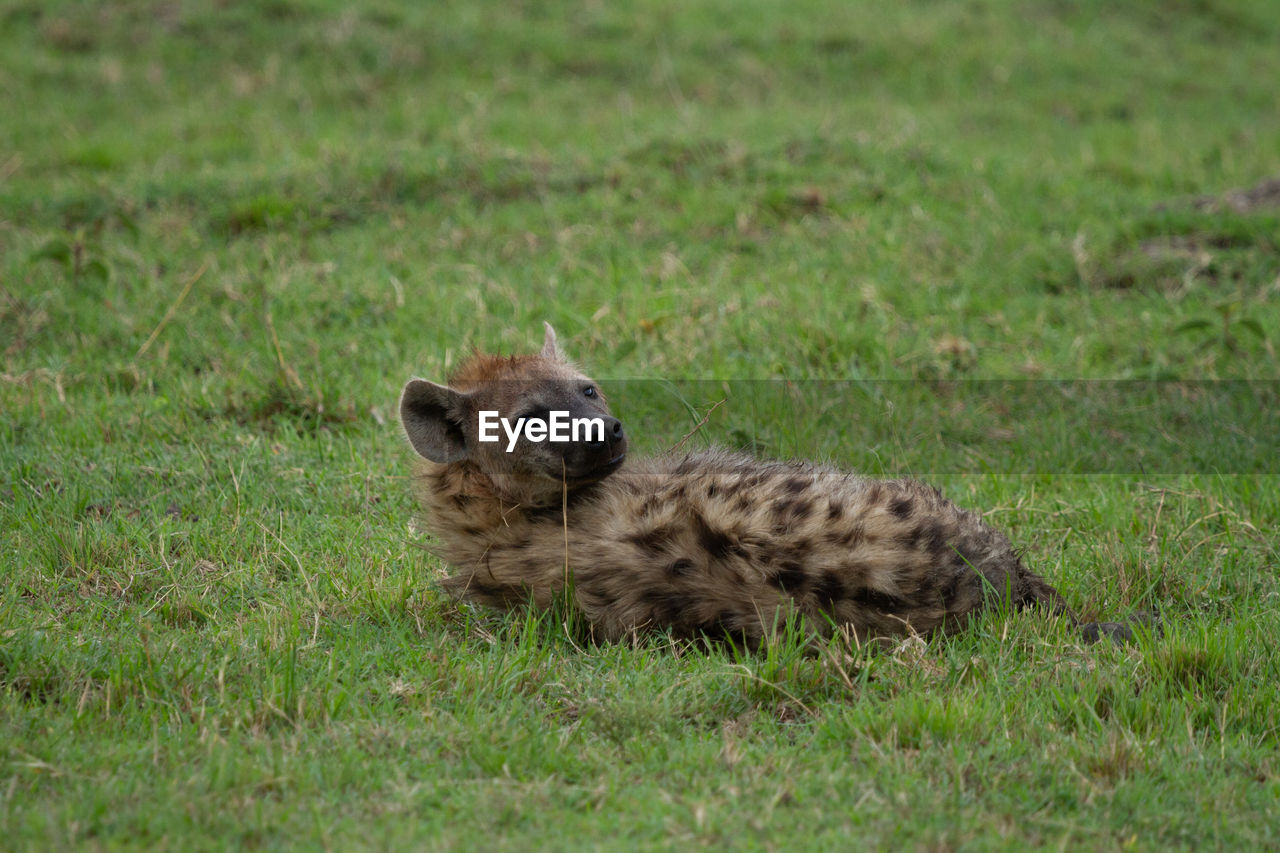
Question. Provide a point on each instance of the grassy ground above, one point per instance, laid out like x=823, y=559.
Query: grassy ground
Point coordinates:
x=228, y=235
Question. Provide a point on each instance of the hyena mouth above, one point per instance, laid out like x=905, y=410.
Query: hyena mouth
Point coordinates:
x=595, y=473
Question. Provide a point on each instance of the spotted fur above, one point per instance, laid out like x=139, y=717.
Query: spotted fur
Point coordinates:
x=710, y=543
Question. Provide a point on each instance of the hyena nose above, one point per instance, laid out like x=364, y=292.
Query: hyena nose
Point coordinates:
x=612, y=432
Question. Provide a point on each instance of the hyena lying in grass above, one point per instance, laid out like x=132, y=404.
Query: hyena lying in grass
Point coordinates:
x=709, y=543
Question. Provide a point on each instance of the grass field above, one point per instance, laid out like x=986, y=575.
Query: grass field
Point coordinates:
x=230, y=232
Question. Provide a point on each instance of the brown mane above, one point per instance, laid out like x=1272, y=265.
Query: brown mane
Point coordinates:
x=481, y=368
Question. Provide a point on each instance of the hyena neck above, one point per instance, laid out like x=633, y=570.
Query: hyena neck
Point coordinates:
x=460, y=496
x=462, y=499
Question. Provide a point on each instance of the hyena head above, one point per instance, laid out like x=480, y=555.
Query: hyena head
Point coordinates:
x=443, y=423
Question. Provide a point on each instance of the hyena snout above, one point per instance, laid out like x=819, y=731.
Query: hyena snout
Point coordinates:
x=599, y=454
x=611, y=438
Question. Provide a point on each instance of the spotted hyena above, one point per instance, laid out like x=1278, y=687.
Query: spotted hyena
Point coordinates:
x=710, y=543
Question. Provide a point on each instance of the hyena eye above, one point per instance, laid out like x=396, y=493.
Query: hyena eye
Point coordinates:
x=589, y=391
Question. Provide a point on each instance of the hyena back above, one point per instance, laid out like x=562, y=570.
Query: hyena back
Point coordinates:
x=708, y=543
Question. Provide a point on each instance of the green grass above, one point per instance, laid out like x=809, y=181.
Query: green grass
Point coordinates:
x=228, y=235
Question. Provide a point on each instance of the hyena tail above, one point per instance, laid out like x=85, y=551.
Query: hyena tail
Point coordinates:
x=1036, y=592
x=1120, y=632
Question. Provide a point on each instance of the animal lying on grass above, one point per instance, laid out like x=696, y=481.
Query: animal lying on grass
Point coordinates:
x=710, y=544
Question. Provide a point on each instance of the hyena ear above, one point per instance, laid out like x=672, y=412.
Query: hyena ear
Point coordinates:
x=432, y=416
x=550, y=348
